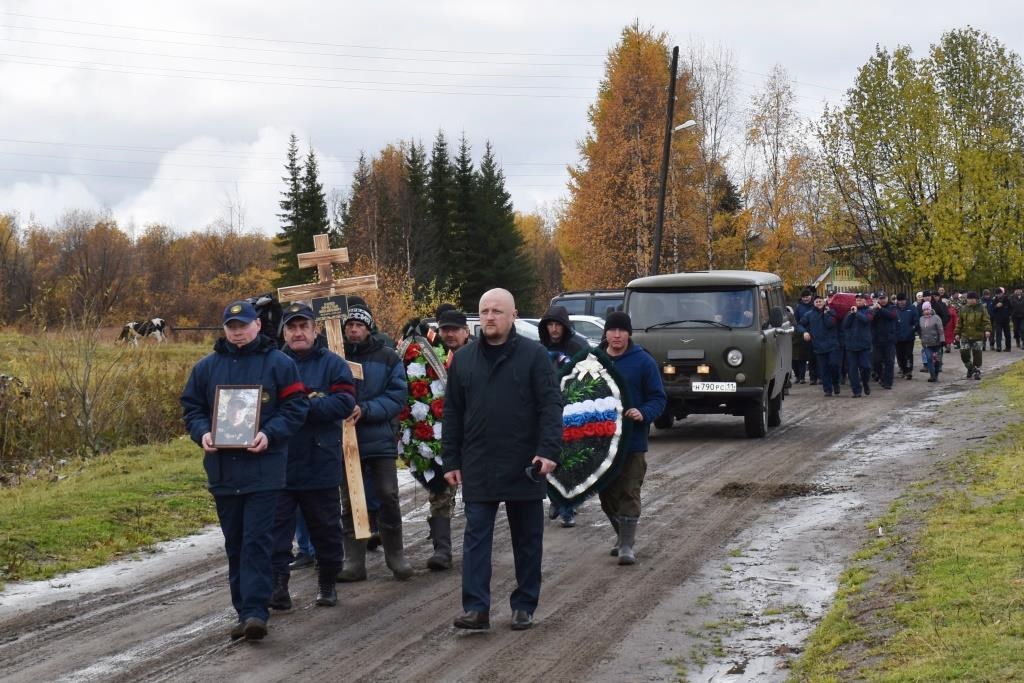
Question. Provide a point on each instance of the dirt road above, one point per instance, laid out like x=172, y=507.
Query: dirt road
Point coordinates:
x=166, y=618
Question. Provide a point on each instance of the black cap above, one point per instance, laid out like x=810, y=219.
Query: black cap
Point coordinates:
x=361, y=315
x=618, y=320
x=807, y=291
x=901, y=296
x=972, y=295
x=926, y=292
x=357, y=301
x=881, y=295
x=451, y=318
x=297, y=310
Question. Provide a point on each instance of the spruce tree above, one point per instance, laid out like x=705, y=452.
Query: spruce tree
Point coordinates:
x=290, y=203
x=441, y=209
x=497, y=257
x=423, y=239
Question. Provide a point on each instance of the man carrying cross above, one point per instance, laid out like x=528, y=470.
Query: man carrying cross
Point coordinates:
x=381, y=396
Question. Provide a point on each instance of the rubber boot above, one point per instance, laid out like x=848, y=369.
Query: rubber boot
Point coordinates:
x=615, y=525
x=280, y=598
x=627, y=536
x=373, y=542
x=326, y=595
x=394, y=553
x=353, y=567
x=441, y=535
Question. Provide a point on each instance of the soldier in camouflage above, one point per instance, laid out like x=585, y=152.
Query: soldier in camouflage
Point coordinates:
x=973, y=329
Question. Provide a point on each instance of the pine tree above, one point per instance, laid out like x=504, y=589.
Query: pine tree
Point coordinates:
x=464, y=231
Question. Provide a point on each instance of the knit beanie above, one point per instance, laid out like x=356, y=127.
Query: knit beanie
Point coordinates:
x=618, y=320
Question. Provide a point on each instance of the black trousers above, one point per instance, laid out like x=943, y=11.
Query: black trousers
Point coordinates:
x=321, y=508
x=1001, y=334
x=526, y=526
x=381, y=477
x=905, y=356
x=247, y=521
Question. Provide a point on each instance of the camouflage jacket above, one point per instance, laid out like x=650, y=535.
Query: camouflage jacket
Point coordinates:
x=973, y=323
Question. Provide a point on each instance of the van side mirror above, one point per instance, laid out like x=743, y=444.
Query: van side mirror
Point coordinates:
x=776, y=316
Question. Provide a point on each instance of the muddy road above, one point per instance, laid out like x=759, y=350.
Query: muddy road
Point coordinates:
x=724, y=517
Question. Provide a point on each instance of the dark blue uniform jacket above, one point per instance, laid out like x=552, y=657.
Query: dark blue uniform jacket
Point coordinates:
x=314, y=453
x=908, y=318
x=380, y=394
x=885, y=328
x=283, y=410
x=823, y=328
x=857, y=329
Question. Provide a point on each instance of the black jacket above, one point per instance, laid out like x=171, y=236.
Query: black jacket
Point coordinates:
x=569, y=345
x=497, y=418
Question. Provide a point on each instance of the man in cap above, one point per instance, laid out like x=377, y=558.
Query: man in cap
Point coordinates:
x=620, y=500
x=453, y=328
x=245, y=482
x=972, y=329
x=380, y=397
x=502, y=433
x=819, y=328
x=884, y=332
x=805, y=359
x=315, y=468
x=1000, y=315
x=857, y=335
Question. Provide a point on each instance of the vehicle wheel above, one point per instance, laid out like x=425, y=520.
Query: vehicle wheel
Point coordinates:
x=755, y=419
x=775, y=411
x=664, y=421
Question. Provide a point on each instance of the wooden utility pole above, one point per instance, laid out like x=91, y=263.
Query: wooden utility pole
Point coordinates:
x=324, y=258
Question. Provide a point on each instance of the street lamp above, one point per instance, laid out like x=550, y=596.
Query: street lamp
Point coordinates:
x=659, y=219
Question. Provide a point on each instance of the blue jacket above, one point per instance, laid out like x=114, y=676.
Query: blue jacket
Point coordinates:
x=823, y=328
x=314, y=453
x=643, y=380
x=908, y=318
x=885, y=327
x=380, y=394
x=282, y=412
x=857, y=329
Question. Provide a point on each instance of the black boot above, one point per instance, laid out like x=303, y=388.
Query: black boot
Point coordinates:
x=627, y=536
x=441, y=535
x=326, y=595
x=353, y=567
x=394, y=553
x=280, y=598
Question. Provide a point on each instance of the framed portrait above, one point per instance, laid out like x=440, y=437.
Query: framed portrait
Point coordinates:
x=236, y=415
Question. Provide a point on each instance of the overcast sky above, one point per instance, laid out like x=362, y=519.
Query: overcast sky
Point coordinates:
x=173, y=112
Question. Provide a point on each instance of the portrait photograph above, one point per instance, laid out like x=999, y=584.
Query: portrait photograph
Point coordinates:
x=236, y=415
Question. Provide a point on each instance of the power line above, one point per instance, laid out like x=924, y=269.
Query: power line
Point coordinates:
x=298, y=42
x=74, y=63
x=131, y=148
x=250, y=62
x=218, y=168
x=298, y=85
x=153, y=178
x=298, y=52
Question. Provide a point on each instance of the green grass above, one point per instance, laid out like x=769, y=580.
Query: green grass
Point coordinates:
x=91, y=511
x=958, y=614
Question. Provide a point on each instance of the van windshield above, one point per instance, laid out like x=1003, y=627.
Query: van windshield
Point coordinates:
x=691, y=308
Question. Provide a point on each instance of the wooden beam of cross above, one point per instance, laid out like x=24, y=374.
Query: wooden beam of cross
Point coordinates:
x=324, y=258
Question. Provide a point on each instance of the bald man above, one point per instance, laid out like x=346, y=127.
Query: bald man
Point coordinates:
x=501, y=435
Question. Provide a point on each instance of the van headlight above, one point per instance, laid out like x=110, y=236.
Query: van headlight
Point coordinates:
x=734, y=357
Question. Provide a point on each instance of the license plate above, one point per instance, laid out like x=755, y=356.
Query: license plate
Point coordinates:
x=719, y=387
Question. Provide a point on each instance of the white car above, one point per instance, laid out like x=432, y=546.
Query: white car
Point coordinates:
x=590, y=326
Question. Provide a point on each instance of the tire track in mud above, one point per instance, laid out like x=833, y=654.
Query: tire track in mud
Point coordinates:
x=174, y=627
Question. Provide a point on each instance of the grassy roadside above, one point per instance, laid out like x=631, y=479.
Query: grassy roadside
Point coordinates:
x=99, y=508
x=941, y=596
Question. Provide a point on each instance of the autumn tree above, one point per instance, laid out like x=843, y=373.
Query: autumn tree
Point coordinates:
x=605, y=235
x=925, y=160
x=539, y=247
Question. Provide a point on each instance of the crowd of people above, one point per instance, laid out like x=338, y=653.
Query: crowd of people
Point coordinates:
x=501, y=434
x=872, y=341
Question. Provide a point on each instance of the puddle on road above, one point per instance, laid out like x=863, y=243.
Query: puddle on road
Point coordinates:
x=778, y=577
x=747, y=613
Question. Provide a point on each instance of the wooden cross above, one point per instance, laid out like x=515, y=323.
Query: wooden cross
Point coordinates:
x=324, y=258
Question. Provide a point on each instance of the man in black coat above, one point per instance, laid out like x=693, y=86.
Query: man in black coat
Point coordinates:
x=502, y=433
